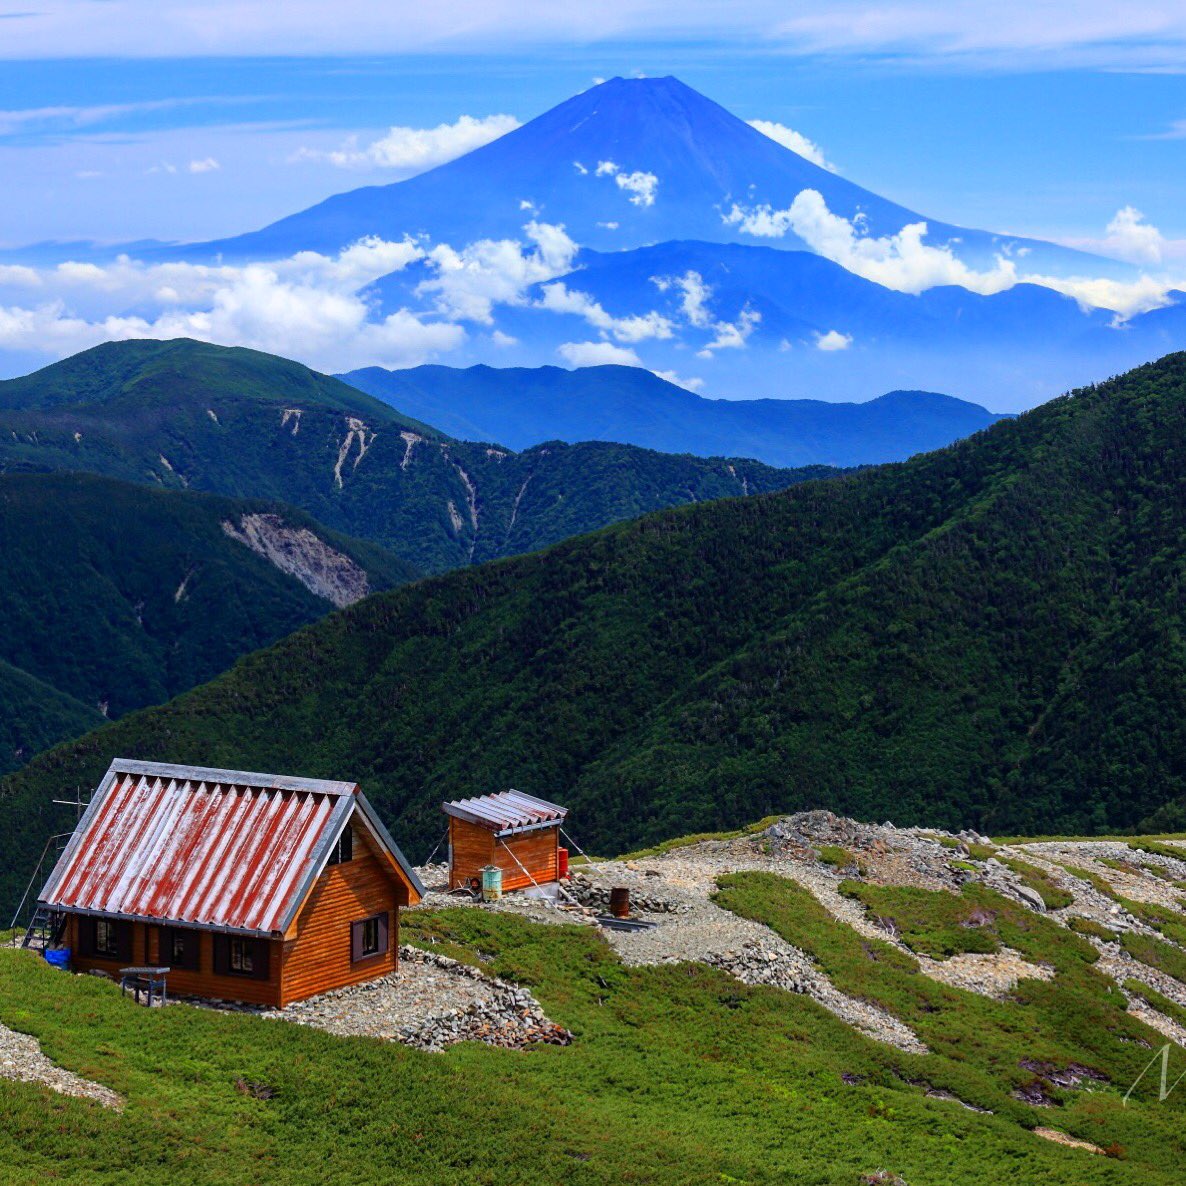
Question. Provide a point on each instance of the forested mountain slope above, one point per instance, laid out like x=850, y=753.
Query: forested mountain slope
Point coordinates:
x=986, y=635
x=187, y=415
x=114, y=596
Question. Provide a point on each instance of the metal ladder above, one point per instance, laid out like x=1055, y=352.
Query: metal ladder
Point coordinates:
x=45, y=928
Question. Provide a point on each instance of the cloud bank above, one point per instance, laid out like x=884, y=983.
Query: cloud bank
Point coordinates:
x=1055, y=32
x=408, y=151
x=906, y=263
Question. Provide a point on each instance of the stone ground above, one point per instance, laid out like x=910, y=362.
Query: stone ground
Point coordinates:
x=431, y=1003
x=21, y=1059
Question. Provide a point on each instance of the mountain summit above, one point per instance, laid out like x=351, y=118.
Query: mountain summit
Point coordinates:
x=629, y=162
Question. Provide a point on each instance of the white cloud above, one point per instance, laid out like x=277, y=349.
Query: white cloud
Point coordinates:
x=408, y=151
x=593, y=354
x=833, y=340
x=1129, y=237
x=793, y=140
x=470, y=282
x=558, y=298
x=640, y=185
x=694, y=294
x=732, y=335
x=502, y=341
x=76, y=117
x=205, y=165
x=1132, y=238
x=688, y=384
x=305, y=307
x=905, y=263
x=902, y=261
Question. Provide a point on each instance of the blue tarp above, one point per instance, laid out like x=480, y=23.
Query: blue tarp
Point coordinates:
x=58, y=957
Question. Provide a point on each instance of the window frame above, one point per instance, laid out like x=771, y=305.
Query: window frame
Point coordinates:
x=381, y=920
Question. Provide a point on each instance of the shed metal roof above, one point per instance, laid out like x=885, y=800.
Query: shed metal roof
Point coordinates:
x=507, y=812
x=225, y=849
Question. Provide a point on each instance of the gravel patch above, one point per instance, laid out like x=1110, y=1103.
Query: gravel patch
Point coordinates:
x=21, y=1059
x=432, y=1002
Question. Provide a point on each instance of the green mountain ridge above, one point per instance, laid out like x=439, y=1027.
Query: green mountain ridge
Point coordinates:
x=114, y=596
x=914, y=641
x=187, y=415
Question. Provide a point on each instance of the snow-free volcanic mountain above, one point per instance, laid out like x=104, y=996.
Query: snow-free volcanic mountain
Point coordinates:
x=627, y=163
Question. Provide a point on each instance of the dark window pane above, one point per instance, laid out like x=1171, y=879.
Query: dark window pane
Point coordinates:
x=370, y=937
x=343, y=849
x=106, y=938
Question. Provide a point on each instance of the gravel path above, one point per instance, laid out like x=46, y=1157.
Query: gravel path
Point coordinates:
x=693, y=927
x=21, y=1059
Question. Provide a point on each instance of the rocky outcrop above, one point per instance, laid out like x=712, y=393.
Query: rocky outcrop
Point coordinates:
x=301, y=554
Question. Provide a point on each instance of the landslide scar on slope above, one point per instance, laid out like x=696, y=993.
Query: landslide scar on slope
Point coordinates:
x=299, y=553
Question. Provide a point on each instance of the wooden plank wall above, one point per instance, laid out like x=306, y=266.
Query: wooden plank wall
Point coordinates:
x=317, y=958
x=202, y=983
x=470, y=848
x=536, y=851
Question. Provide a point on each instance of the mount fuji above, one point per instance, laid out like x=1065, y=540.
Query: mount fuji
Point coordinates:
x=640, y=223
x=627, y=163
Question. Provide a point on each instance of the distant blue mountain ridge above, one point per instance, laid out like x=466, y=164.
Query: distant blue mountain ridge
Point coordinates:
x=525, y=407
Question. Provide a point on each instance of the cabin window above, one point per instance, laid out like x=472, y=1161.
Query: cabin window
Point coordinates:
x=343, y=849
x=240, y=955
x=106, y=938
x=180, y=948
x=369, y=936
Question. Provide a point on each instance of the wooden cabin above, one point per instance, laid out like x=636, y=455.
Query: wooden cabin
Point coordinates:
x=247, y=887
x=516, y=832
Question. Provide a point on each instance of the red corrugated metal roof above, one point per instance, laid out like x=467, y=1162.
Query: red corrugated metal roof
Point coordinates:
x=506, y=811
x=219, y=848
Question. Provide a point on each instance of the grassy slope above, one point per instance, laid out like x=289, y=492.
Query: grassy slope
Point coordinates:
x=119, y=594
x=678, y=1075
x=213, y=418
x=904, y=642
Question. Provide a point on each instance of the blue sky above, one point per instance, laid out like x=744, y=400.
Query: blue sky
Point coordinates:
x=1048, y=136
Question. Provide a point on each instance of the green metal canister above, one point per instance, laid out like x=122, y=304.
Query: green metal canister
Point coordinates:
x=491, y=883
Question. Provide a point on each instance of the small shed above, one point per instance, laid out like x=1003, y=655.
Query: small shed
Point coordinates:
x=248, y=887
x=519, y=833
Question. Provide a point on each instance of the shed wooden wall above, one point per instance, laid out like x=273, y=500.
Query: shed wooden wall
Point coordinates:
x=473, y=846
x=317, y=956
x=200, y=983
x=470, y=847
